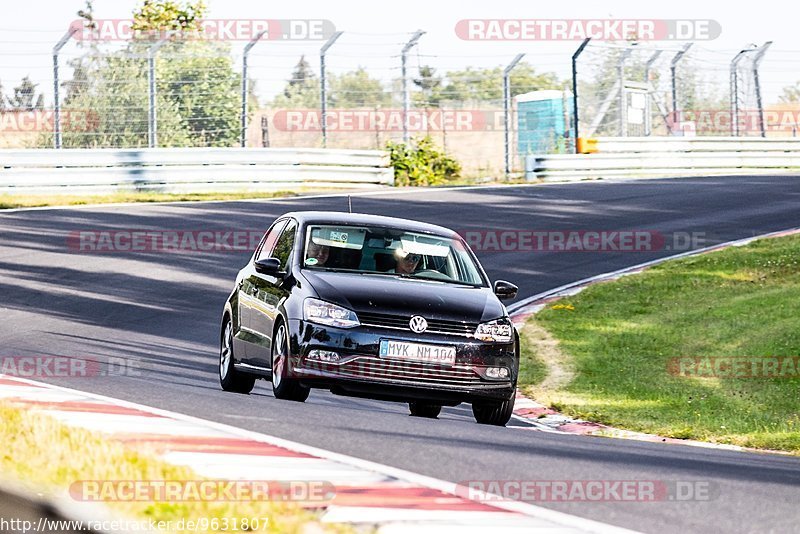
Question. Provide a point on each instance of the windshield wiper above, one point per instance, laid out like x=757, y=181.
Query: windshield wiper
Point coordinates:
x=451, y=281
x=424, y=278
x=396, y=275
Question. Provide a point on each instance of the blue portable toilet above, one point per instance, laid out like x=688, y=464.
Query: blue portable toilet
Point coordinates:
x=543, y=125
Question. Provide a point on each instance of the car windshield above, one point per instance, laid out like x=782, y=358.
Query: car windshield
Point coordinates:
x=390, y=251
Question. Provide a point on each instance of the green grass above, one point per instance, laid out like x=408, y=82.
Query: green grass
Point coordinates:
x=8, y=201
x=48, y=456
x=620, y=337
x=532, y=368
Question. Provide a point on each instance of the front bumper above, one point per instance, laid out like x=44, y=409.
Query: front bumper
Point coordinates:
x=362, y=372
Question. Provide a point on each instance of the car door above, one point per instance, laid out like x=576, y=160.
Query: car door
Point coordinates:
x=270, y=292
x=247, y=340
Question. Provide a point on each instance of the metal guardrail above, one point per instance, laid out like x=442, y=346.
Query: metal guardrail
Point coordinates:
x=608, y=145
x=188, y=169
x=668, y=156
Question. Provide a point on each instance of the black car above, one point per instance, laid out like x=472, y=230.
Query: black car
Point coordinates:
x=373, y=307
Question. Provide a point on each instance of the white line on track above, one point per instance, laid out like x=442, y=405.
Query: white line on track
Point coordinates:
x=567, y=520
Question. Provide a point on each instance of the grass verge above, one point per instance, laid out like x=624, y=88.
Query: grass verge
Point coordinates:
x=45, y=454
x=623, y=343
x=8, y=201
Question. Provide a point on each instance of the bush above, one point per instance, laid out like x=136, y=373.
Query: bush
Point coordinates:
x=421, y=163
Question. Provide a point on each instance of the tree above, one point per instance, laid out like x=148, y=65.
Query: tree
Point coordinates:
x=791, y=94
x=302, y=78
x=163, y=16
x=199, y=78
x=25, y=96
x=302, y=90
x=430, y=86
x=356, y=89
x=487, y=83
x=2, y=98
x=117, y=93
x=80, y=65
x=88, y=15
x=198, y=100
x=201, y=82
x=79, y=82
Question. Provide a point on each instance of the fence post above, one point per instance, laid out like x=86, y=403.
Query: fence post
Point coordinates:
x=756, y=63
x=575, y=87
x=245, y=96
x=152, y=126
x=265, y=131
x=442, y=112
x=648, y=119
x=56, y=100
x=406, y=97
x=323, y=86
x=623, y=102
x=672, y=69
x=734, y=88
x=507, y=110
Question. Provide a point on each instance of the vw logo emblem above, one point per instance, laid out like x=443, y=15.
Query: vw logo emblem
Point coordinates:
x=418, y=324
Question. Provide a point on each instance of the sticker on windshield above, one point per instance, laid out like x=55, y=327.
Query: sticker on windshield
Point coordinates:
x=339, y=236
x=312, y=261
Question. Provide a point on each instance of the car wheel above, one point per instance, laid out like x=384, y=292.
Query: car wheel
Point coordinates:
x=284, y=387
x=229, y=378
x=496, y=413
x=423, y=409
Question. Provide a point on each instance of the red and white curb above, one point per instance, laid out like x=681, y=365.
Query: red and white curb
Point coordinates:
x=545, y=418
x=366, y=493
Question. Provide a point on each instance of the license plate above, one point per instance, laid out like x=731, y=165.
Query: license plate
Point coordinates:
x=417, y=352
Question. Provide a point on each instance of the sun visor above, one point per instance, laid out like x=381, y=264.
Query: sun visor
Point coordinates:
x=424, y=246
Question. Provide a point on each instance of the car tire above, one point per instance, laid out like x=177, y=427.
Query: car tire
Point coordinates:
x=284, y=387
x=229, y=378
x=493, y=413
x=424, y=409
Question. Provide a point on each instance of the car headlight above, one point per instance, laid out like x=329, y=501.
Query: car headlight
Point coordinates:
x=321, y=312
x=499, y=330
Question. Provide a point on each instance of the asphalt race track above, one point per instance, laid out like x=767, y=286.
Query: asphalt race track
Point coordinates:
x=161, y=310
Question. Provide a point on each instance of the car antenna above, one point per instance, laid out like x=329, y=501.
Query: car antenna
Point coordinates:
x=349, y=203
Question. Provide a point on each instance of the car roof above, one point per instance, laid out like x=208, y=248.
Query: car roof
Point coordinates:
x=343, y=217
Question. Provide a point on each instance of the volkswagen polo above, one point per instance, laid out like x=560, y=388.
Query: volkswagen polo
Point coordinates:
x=374, y=307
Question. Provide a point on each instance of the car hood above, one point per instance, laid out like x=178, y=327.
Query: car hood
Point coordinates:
x=403, y=296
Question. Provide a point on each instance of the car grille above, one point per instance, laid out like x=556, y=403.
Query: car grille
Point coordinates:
x=370, y=367
x=400, y=322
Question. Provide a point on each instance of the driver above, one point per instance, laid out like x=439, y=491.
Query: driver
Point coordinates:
x=407, y=263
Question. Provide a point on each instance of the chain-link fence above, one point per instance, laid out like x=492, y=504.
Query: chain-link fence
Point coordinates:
x=379, y=88
x=633, y=90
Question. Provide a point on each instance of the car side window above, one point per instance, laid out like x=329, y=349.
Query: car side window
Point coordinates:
x=268, y=242
x=285, y=244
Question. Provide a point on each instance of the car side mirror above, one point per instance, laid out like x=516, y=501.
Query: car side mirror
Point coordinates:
x=505, y=290
x=268, y=266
